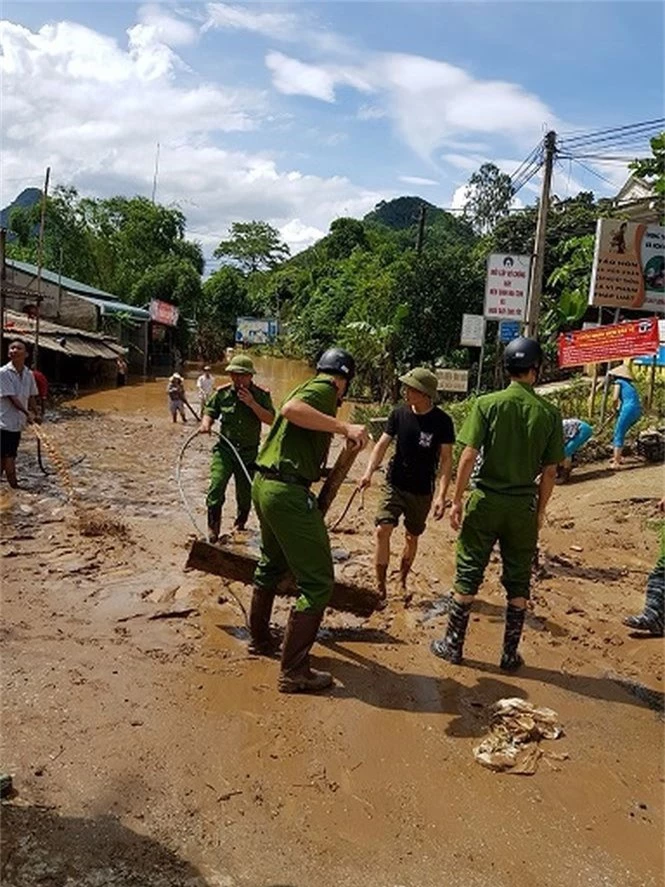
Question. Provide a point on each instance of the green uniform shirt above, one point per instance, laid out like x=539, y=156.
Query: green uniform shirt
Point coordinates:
x=238, y=422
x=519, y=432
x=290, y=449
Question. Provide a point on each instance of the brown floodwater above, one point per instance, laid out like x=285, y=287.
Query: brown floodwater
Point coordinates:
x=149, y=397
x=280, y=375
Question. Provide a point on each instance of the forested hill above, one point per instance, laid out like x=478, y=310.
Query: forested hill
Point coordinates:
x=404, y=212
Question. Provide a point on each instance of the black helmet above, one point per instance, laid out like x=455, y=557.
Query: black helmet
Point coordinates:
x=337, y=362
x=522, y=354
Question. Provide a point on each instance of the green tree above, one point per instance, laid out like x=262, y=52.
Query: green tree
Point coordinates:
x=253, y=246
x=652, y=169
x=345, y=236
x=488, y=197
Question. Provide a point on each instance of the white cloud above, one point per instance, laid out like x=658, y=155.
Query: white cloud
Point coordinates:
x=370, y=112
x=300, y=236
x=93, y=111
x=297, y=78
x=167, y=28
x=417, y=180
x=430, y=101
x=279, y=25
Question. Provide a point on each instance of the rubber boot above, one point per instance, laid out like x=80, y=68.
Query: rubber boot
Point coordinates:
x=510, y=658
x=451, y=646
x=262, y=642
x=652, y=619
x=381, y=574
x=241, y=521
x=296, y=675
x=214, y=522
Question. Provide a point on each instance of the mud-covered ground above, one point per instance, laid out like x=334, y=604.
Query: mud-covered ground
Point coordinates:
x=154, y=751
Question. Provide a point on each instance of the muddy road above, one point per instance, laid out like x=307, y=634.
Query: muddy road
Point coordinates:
x=148, y=748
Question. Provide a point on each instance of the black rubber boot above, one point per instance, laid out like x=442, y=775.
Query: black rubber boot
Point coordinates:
x=510, y=658
x=296, y=675
x=451, y=646
x=241, y=521
x=214, y=522
x=652, y=619
x=262, y=642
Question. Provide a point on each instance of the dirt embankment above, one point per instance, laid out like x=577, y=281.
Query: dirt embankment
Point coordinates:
x=153, y=751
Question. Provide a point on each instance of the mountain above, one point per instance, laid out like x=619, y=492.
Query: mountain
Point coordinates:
x=403, y=212
x=27, y=198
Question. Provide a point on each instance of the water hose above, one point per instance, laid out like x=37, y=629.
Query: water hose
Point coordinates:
x=185, y=502
x=332, y=527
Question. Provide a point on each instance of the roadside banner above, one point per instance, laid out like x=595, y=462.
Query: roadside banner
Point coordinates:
x=509, y=330
x=616, y=342
x=628, y=266
x=452, y=380
x=473, y=330
x=256, y=330
x=506, y=286
x=164, y=313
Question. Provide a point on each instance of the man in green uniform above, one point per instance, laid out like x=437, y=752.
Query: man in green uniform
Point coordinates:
x=652, y=618
x=293, y=535
x=520, y=435
x=241, y=407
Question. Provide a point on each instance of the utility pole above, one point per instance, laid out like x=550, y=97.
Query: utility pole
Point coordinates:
x=40, y=262
x=154, y=178
x=3, y=278
x=538, y=263
x=421, y=229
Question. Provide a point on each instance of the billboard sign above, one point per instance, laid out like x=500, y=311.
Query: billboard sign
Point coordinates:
x=616, y=342
x=452, y=380
x=256, y=330
x=506, y=286
x=473, y=330
x=164, y=313
x=628, y=266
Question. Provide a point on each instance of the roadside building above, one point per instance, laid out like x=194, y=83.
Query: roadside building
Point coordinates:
x=71, y=305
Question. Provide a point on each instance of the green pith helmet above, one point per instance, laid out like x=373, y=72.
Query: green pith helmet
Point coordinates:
x=240, y=364
x=422, y=380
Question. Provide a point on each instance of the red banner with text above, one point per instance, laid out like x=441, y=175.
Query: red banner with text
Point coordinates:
x=636, y=338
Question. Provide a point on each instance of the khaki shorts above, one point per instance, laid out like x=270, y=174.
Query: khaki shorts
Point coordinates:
x=414, y=506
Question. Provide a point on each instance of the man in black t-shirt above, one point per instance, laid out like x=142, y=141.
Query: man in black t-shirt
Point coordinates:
x=424, y=437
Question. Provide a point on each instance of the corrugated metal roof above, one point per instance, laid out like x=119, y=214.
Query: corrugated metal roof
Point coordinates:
x=110, y=308
x=77, y=343
x=67, y=283
x=109, y=303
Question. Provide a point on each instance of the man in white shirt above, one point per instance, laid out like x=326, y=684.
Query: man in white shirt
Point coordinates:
x=18, y=407
x=204, y=385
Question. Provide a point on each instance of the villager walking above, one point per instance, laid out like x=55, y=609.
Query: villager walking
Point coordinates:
x=628, y=408
x=424, y=436
x=652, y=617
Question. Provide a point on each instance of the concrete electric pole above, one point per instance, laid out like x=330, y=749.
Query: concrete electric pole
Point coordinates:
x=537, y=265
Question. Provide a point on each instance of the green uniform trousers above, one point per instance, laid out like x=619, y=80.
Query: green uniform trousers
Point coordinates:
x=223, y=467
x=512, y=520
x=293, y=538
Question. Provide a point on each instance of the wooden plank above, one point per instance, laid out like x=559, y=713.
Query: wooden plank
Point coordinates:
x=239, y=566
x=336, y=477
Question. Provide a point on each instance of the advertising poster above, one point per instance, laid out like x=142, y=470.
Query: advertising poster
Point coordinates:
x=628, y=266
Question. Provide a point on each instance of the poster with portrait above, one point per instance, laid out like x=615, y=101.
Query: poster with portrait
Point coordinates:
x=628, y=266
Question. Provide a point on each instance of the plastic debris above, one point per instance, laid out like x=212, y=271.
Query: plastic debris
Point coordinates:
x=513, y=743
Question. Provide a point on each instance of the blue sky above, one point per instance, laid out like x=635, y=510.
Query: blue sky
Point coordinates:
x=297, y=113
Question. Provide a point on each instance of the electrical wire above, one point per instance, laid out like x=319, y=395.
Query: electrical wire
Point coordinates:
x=616, y=133
x=592, y=171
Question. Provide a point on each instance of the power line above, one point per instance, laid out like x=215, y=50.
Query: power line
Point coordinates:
x=592, y=171
x=615, y=133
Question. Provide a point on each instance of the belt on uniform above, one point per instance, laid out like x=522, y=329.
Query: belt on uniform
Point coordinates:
x=283, y=476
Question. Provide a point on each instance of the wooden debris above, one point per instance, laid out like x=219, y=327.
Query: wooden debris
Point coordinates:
x=239, y=565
